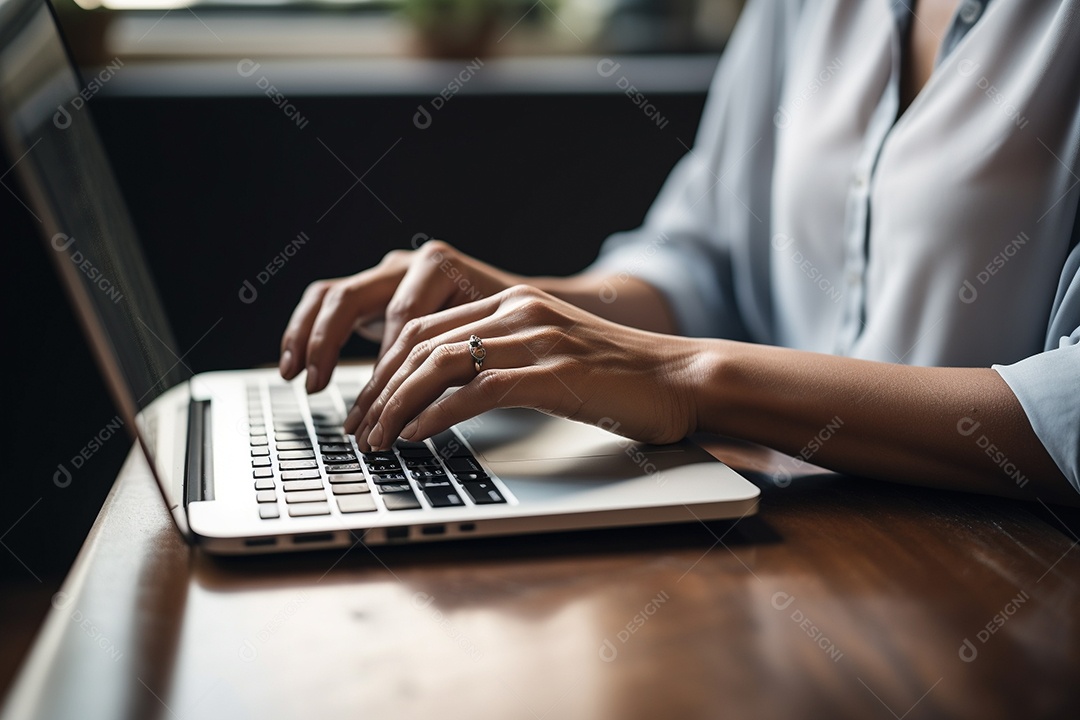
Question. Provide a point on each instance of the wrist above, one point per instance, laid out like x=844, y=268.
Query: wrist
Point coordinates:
x=714, y=385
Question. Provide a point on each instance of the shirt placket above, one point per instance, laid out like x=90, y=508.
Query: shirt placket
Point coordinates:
x=857, y=217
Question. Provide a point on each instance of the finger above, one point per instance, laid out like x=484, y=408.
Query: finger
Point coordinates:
x=417, y=331
x=344, y=303
x=423, y=290
x=426, y=376
x=294, y=339
x=529, y=387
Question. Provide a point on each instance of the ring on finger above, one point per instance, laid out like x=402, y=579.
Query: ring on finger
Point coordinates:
x=478, y=352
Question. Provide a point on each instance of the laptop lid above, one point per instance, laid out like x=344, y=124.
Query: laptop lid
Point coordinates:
x=69, y=189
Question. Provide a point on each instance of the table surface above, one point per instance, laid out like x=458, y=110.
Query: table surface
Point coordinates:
x=842, y=597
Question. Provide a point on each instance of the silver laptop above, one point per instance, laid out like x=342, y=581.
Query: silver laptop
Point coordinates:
x=248, y=463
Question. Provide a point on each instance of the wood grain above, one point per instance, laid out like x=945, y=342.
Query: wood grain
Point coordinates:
x=843, y=598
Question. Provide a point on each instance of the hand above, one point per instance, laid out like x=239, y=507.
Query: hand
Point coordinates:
x=542, y=353
x=405, y=285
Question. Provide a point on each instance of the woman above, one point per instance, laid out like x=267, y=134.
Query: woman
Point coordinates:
x=875, y=231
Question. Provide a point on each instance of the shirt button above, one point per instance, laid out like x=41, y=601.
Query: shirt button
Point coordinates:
x=969, y=12
x=861, y=180
x=854, y=277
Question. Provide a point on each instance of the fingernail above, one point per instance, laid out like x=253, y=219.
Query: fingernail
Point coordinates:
x=312, y=376
x=409, y=430
x=286, y=363
x=375, y=438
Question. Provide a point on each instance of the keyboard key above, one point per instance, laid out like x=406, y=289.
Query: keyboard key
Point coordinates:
x=331, y=458
x=484, y=493
x=373, y=458
x=266, y=496
x=428, y=462
x=263, y=472
x=305, y=496
x=343, y=468
x=333, y=439
x=395, y=488
x=290, y=436
x=298, y=465
x=312, y=508
x=264, y=484
x=347, y=478
x=384, y=467
x=290, y=426
x=301, y=485
x=429, y=474
x=296, y=455
x=293, y=445
x=463, y=465
x=260, y=451
x=351, y=489
x=268, y=512
x=356, y=504
x=259, y=441
x=448, y=445
x=387, y=478
x=441, y=481
x=336, y=448
x=400, y=501
x=471, y=477
x=443, y=496
x=300, y=474
x=260, y=462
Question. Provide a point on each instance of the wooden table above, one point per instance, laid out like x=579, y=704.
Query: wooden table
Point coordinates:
x=843, y=598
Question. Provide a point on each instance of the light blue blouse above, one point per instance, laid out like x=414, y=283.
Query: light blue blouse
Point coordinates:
x=809, y=214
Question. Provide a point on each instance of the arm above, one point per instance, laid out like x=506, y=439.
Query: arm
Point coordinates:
x=959, y=429
x=952, y=428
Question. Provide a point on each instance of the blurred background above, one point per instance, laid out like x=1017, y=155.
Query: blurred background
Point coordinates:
x=522, y=131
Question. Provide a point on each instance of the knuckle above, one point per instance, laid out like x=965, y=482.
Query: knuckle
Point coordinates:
x=394, y=257
x=412, y=329
x=435, y=248
x=418, y=353
x=443, y=357
x=318, y=287
x=519, y=292
x=490, y=384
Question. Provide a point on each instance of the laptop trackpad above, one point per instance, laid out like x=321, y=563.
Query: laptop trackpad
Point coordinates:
x=519, y=434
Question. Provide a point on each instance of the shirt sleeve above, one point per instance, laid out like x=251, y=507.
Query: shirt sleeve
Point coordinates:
x=1048, y=384
x=712, y=212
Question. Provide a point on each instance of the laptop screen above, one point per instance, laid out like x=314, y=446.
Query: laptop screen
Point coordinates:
x=69, y=189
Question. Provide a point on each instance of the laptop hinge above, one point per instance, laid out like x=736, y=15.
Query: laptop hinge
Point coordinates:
x=198, y=473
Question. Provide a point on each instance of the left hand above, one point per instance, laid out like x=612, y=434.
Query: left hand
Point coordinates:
x=542, y=353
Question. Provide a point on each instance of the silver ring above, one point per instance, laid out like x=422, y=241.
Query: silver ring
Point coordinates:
x=477, y=351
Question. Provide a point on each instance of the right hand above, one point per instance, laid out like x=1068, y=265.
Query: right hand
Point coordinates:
x=405, y=285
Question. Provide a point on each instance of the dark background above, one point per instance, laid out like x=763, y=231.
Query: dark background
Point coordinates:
x=219, y=186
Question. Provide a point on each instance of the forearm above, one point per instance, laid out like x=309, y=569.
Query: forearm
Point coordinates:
x=954, y=428
x=634, y=302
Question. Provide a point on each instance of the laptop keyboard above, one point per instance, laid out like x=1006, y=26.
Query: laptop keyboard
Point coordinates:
x=302, y=469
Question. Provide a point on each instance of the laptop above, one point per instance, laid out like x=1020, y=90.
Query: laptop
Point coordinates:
x=249, y=463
